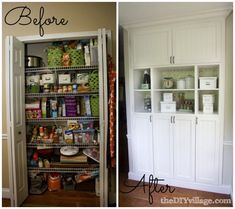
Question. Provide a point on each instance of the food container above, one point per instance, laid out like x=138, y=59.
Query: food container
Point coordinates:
x=167, y=83
x=168, y=106
x=54, y=182
x=167, y=97
x=208, y=108
x=64, y=79
x=189, y=82
x=208, y=98
x=181, y=84
x=33, y=61
x=207, y=82
x=48, y=78
x=33, y=79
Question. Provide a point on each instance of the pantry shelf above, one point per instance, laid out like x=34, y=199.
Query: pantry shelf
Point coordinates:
x=86, y=170
x=60, y=69
x=39, y=95
x=54, y=145
x=62, y=119
x=208, y=89
x=174, y=89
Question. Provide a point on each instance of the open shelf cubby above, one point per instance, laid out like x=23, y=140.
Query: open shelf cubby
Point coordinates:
x=139, y=77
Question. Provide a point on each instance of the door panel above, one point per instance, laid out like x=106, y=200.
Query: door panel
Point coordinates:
x=151, y=47
x=162, y=143
x=16, y=101
x=184, y=147
x=207, y=151
x=142, y=145
x=197, y=43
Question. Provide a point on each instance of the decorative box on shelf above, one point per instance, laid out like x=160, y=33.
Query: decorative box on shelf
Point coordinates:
x=207, y=82
x=168, y=106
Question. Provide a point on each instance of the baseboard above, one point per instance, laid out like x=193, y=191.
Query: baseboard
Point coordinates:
x=6, y=193
x=223, y=189
x=4, y=136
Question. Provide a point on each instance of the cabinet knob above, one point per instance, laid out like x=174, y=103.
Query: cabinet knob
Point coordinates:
x=19, y=132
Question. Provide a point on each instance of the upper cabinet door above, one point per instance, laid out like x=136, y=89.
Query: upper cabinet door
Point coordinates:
x=197, y=43
x=16, y=110
x=151, y=47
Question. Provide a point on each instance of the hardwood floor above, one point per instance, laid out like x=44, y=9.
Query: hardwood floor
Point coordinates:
x=6, y=202
x=138, y=198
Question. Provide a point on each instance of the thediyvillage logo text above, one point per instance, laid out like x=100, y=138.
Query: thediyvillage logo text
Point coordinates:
x=23, y=14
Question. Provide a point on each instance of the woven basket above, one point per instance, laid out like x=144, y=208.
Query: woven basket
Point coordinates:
x=76, y=56
x=94, y=101
x=94, y=80
x=54, y=56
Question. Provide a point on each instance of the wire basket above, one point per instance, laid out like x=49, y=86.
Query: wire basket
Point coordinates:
x=76, y=56
x=94, y=80
x=54, y=56
x=94, y=101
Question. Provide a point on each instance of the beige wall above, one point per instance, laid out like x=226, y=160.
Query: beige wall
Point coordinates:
x=81, y=16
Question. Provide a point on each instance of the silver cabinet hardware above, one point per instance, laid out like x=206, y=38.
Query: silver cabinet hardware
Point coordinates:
x=150, y=118
x=173, y=119
x=173, y=59
x=196, y=120
x=170, y=59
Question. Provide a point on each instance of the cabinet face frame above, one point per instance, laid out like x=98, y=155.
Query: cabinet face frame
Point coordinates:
x=101, y=33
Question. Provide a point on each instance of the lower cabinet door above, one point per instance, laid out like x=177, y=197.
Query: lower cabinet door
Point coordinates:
x=207, y=150
x=142, y=148
x=184, y=147
x=162, y=146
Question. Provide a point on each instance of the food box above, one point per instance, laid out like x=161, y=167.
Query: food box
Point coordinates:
x=48, y=78
x=168, y=97
x=208, y=108
x=33, y=114
x=64, y=79
x=33, y=79
x=208, y=98
x=32, y=105
x=207, y=82
x=168, y=106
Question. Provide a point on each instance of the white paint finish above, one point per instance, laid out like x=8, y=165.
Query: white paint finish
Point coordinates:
x=228, y=165
x=228, y=116
x=17, y=137
x=151, y=47
x=162, y=144
x=197, y=43
x=144, y=12
x=142, y=148
x=207, y=150
x=4, y=136
x=6, y=193
x=184, y=147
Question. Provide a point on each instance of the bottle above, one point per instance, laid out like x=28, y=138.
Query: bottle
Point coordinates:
x=48, y=109
x=146, y=80
x=87, y=56
x=147, y=102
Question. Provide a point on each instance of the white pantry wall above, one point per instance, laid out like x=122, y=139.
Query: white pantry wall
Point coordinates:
x=228, y=113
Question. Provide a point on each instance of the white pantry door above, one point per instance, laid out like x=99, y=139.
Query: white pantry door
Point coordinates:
x=16, y=120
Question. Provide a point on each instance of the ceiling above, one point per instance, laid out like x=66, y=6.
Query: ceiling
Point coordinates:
x=132, y=12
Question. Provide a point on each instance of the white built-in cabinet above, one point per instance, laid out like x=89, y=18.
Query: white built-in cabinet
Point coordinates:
x=142, y=145
x=174, y=146
x=177, y=44
x=182, y=147
x=207, y=150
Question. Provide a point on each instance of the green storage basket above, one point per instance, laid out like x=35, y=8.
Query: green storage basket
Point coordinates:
x=94, y=101
x=54, y=56
x=76, y=56
x=94, y=80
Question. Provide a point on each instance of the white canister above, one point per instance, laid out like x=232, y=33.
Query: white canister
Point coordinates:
x=181, y=83
x=189, y=82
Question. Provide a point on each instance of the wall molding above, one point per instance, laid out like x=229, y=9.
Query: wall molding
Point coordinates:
x=4, y=136
x=6, y=193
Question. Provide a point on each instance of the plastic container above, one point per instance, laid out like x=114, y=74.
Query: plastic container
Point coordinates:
x=168, y=97
x=208, y=98
x=208, y=108
x=54, y=182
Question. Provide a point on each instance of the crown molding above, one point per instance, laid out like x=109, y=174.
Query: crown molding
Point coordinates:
x=221, y=12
